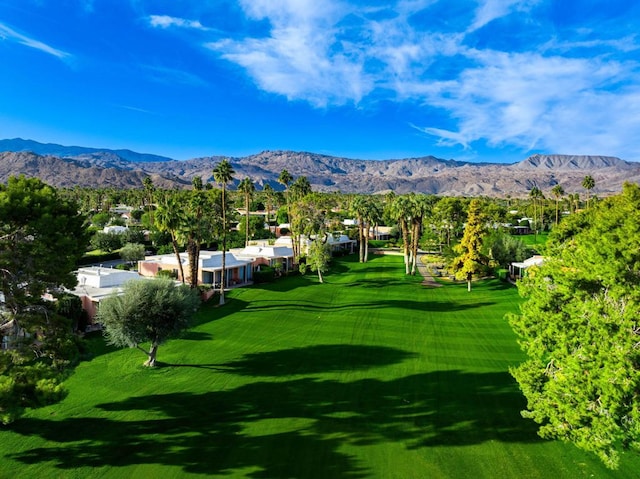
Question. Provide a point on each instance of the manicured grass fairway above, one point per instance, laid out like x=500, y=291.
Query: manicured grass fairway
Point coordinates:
x=367, y=375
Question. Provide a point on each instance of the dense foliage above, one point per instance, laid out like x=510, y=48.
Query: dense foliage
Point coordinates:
x=148, y=311
x=579, y=328
x=42, y=236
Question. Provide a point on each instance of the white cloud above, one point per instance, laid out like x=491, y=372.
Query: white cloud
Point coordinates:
x=555, y=96
x=530, y=101
x=489, y=10
x=304, y=57
x=10, y=34
x=165, y=21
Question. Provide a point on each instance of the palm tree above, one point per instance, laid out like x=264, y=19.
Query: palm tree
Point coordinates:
x=223, y=174
x=169, y=218
x=558, y=192
x=149, y=190
x=400, y=210
x=268, y=192
x=420, y=206
x=360, y=208
x=588, y=183
x=196, y=228
x=247, y=188
x=535, y=194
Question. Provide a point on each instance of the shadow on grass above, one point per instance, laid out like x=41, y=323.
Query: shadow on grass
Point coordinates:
x=286, y=429
x=316, y=359
x=315, y=307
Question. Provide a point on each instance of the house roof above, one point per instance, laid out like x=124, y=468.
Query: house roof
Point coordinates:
x=256, y=251
x=536, y=260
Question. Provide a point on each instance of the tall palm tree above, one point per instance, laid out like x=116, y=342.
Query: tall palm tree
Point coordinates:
x=223, y=174
x=360, y=207
x=169, y=218
x=588, y=183
x=558, y=192
x=149, y=189
x=285, y=179
x=399, y=209
x=269, y=194
x=535, y=193
x=247, y=188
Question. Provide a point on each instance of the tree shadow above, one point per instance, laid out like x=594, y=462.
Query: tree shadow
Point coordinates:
x=316, y=359
x=419, y=306
x=286, y=429
x=195, y=336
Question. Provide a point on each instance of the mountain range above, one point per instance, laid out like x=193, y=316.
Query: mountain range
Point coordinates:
x=68, y=166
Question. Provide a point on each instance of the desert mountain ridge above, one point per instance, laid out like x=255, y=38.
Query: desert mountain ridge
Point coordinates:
x=93, y=167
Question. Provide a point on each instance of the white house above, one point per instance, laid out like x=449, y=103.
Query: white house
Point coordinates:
x=96, y=283
x=517, y=270
x=238, y=270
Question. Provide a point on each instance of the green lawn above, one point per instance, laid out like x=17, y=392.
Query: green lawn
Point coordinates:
x=367, y=375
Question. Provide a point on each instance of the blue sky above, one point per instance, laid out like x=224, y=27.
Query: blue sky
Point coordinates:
x=477, y=80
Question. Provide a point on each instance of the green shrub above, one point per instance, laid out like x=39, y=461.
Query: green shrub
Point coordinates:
x=266, y=275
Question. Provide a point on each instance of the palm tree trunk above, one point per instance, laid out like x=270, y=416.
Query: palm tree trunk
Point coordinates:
x=366, y=244
x=405, y=241
x=224, y=247
x=361, y=239
x=176, y=250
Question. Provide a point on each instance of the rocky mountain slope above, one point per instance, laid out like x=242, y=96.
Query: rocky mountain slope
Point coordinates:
x=327, y=173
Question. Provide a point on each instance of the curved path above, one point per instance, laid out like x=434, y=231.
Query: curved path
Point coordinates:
x=426, y=274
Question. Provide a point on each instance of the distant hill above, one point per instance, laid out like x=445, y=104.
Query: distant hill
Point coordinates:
x=431, y=175
x=52, y=149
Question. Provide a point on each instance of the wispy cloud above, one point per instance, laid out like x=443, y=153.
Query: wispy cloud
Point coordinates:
x=531, y=101
x=165, y=21
x=304, y=57
x=172, y=76
x=7, y=33
x=576, y=92
x=490, y=10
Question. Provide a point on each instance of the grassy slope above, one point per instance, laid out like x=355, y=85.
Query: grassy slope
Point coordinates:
x=367, y=375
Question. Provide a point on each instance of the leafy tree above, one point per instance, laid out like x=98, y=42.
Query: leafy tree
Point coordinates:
x=579, y=328
x=106, y=241
x=132, y=252
x=502, y=249
x=449, y=216
x=318, y=257
x=42, y=236
x=470, y=259
x=101, y=219
x=133, y=235
x=147, y=311
x=223, y=174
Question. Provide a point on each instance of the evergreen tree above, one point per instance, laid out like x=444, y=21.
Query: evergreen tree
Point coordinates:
x=470, y=259
x=579, y=328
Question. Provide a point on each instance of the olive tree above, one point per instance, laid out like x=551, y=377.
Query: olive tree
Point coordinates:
x=147, y=311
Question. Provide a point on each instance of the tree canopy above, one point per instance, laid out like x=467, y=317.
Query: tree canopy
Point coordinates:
x=579, y=329
x=147, y=311
x=42, y=236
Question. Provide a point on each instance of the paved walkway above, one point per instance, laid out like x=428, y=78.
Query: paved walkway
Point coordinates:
x=426, y=274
